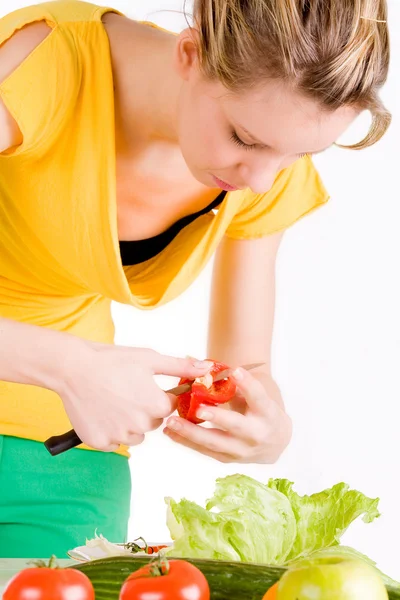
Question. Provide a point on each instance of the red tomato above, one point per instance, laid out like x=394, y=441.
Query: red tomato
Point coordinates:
x=219, y=393
x=44, y=583
x=272, y=593
x=166, y=580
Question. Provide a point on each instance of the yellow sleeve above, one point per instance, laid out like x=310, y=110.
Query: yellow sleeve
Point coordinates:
x=297, y=191
x=42, y=90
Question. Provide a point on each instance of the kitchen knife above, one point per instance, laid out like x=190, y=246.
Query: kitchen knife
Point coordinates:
x=61, y=443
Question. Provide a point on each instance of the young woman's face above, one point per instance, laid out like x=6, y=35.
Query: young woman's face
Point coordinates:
x=243, y=140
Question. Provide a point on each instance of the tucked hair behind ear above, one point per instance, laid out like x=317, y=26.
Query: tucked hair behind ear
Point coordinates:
x=334, y=51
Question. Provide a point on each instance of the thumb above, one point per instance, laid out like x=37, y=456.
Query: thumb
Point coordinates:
x=173, y=402
x=180, y=367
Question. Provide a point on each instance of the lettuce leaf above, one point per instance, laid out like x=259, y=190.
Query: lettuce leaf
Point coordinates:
x=323, y=518
x=235, y=524
x=269, y=523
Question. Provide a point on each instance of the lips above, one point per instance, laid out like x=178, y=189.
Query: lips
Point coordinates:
x=224, y=185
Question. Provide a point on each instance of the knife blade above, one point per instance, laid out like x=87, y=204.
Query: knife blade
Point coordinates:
x=186, y=387
x=61, y=443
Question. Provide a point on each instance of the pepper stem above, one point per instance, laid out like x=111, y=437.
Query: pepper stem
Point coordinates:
x=134, y=547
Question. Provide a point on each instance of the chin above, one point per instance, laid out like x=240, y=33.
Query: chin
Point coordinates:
x=202, y=177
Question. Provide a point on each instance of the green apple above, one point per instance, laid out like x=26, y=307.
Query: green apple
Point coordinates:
x=333, y=578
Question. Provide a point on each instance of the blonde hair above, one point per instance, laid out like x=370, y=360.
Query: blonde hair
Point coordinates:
x=335, y=51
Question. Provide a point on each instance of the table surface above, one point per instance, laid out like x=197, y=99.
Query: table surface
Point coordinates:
x=10, y=566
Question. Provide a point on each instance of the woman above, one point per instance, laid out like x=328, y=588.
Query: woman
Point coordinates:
x=118, y=140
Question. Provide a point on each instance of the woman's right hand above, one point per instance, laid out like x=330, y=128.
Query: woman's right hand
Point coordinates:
x=111, y=397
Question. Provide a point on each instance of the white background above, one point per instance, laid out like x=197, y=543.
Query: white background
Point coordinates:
x=336, y=344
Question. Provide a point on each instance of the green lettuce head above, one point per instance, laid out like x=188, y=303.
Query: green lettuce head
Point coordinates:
x=269, y=523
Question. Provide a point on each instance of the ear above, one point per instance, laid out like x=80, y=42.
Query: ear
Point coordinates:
x=186, y=58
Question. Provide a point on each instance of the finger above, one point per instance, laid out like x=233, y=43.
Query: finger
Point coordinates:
x=132, y=439
x=213, y=440
x=173, y=402
x=179, y=367
x=252, y=430
x=108, y=448
x=98, y=442
x=158, y=404
x=140, y=425
x=224, y=458
x=113, y=448
x=238, y=404
x=253, y=391
x=155, y=424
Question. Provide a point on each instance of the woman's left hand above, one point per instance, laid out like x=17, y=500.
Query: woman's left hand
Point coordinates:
x=256, y=431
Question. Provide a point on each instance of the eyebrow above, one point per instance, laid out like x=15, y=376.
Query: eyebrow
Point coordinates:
x=255, y=139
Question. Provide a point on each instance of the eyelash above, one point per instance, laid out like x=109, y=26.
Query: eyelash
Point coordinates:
x=236, y=140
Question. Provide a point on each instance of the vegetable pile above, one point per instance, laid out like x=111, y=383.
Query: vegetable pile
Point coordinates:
x=243, y=581
x=248, y=521
x=141, y=578
x=250, y=534
x=251, y=541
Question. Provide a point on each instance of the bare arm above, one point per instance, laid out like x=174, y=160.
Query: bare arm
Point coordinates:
x=243, y=305
x=34, y=355
x=257, y=429
x=28, y=354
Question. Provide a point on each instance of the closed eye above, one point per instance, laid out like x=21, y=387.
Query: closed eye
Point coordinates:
x=239, y=142
x=236, y=140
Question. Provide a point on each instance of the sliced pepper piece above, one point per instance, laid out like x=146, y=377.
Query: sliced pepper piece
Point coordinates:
x=205, y=391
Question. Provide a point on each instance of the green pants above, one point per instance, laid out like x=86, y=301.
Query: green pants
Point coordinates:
x=49, y=505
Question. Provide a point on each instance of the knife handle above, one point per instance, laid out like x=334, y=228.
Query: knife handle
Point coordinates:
x=61, y=443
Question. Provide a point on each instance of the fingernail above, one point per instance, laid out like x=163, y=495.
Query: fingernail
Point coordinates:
x=202, y=364
x=238, y=374
x=204, y=414
x=174, y=425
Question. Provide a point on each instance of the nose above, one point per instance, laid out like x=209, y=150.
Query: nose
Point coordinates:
x=260, y=178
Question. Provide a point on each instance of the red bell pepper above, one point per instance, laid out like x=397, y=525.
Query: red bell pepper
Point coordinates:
x=219, y=392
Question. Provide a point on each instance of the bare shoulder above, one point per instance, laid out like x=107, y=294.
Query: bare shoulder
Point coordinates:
x=129, y=38
x=12, y=53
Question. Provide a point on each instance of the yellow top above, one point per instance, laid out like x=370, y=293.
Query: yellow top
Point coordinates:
x=60, y=265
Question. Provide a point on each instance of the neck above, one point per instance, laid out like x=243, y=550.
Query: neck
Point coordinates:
x=146, y=86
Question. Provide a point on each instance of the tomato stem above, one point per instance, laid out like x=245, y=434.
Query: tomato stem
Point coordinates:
x=160, y=567
x=42, y=564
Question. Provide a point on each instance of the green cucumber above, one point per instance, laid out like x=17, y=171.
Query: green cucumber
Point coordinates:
x=227, y=580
